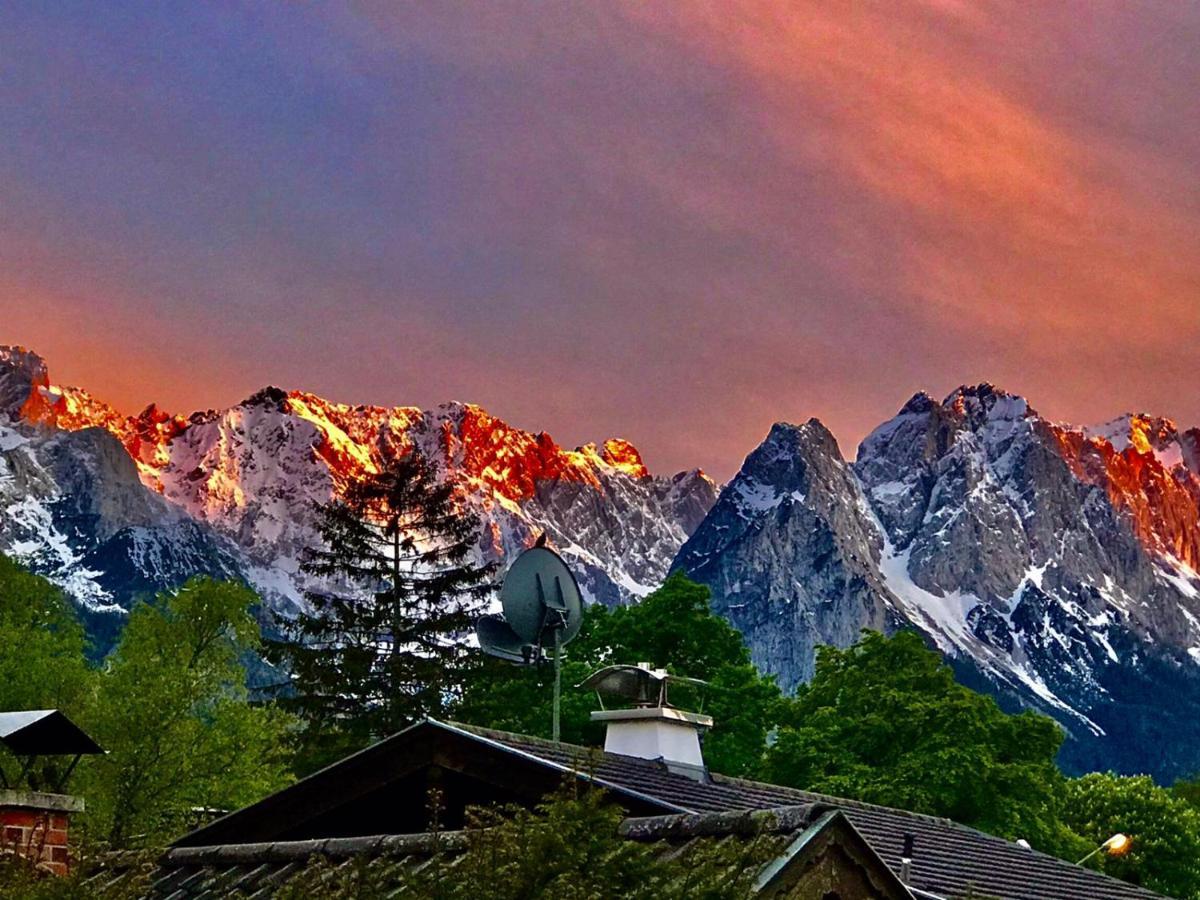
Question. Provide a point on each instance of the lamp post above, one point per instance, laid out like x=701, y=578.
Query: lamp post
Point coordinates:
x=1114, y=846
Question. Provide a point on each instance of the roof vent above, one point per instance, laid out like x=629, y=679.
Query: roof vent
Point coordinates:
x=906, y=858
x=652, y=728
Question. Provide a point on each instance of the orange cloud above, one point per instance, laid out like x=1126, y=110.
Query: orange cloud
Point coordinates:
x=679, y=222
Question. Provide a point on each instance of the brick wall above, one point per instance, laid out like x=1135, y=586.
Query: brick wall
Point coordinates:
x=35, y=826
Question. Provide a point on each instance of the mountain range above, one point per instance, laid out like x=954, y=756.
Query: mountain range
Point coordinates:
x=111, y=506
x=1053, y=565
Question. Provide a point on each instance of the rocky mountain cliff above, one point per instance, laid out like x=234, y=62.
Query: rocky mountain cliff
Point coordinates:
x=110, y=505
x=73, y=507
x=1053, y=565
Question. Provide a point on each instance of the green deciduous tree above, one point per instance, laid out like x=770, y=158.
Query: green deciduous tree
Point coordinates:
x=885, y=721
x=172, y=712
x=672, y=627
x=1165, y=830
x=382, y=645
x=1188, y=789
x=42, y=661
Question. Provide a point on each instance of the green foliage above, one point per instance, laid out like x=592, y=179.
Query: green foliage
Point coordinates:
x=21, y=880
x=884, y=721
x=1188, y=789
x=42, y=663
x=1165, y=830
x=169, y=705
x=172, y=712
x=517, y=698
x=672, y=627
x=567, y=849
x=380, y=647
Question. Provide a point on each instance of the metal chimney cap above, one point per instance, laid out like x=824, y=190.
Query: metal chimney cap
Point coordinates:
x=657, y=713
x=638, y=684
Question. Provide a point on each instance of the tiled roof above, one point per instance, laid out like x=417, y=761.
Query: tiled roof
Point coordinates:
x=950, y=860
x=737, y=852
x=260, y=845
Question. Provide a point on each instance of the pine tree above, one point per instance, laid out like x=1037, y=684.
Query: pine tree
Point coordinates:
x=381, y=645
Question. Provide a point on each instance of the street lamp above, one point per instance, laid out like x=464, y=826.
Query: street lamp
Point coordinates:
x=1114, y=846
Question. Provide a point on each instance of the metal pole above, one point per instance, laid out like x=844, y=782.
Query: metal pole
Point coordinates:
x=557, y=681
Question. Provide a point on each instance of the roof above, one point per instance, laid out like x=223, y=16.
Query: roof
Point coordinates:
x=744, y=853
x=44, y=732
x=949, y=859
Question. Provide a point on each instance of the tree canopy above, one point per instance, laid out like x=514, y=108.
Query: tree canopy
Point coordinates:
x=672, y=627
x=169, y=705
x=885, y=721
x=171, y=710
x=381, y=645
x=882, y=721
x=1164, y=828
x=43, y=663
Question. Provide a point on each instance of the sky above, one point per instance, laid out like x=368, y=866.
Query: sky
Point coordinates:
x=674, y=223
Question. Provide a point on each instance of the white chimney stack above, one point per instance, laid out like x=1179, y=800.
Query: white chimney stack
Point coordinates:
x=652, y=729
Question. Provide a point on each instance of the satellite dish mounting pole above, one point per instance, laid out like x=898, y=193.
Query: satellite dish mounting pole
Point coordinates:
x=557, y=683
x=531, y=619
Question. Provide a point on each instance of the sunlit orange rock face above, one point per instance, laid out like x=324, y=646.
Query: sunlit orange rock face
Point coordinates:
x=147, y=434
x=1145, y=466
x=623, y=455
x=354, y=440
x=512, y=462
x=45, y=404
x=256, y=472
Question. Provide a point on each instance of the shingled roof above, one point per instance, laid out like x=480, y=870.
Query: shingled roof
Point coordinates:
x=366, y=792
x=949, y=860
x=761, y=853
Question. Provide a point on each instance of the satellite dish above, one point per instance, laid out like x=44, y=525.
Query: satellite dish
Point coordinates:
x=542, y=605
x=497, y=639
x=540, y=593
x=543, y=608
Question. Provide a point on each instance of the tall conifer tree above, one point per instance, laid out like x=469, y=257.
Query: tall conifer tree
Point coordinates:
x=382, y=644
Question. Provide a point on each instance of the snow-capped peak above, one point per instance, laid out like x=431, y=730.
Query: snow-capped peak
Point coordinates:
x=255, y=471
x=1149, y=435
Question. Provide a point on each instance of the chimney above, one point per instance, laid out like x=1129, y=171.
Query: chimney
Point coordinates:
x=33, y=826
x=652, y=728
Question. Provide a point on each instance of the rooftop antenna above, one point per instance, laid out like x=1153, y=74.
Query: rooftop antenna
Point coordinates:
x=543, y=609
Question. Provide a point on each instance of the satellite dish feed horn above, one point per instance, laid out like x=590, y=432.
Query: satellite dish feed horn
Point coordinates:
x=533, y=620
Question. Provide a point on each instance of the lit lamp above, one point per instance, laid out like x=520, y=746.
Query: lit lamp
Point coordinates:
x=1114, y=846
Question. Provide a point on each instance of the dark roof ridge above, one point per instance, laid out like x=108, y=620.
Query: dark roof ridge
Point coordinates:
x=742, y=822
x=844, y=803
x=493, y=738
x=495, y=734
x=499, y=734
x=334, y=848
